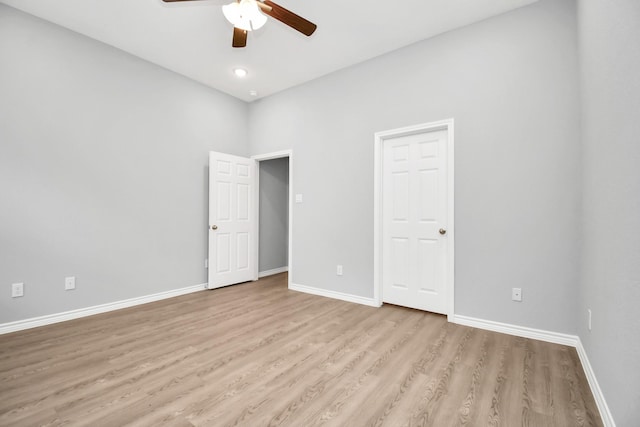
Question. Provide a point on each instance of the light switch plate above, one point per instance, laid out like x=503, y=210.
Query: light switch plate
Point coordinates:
x=516, y=294
x=17, y=290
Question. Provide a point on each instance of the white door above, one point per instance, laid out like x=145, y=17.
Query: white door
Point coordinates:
x=232, y=220
x=414, y=220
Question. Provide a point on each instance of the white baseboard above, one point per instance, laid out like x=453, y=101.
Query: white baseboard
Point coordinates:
x=519, y=331
x=34, y=322
x=273, y=271
x=553, y=337
x=335, y=295
x=605, y=413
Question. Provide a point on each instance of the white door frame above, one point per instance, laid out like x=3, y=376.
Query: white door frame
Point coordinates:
x=270, y=156
x=380, y=137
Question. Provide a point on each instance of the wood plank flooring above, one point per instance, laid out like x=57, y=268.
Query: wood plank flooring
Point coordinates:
x=258, y=354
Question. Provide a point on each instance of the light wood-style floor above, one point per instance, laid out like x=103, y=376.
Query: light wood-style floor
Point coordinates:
x=258, y=354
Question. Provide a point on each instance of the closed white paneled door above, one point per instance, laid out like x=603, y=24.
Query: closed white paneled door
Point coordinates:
x=414, y=220
x=232, y=220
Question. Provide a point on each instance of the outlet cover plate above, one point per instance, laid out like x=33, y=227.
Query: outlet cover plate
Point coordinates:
x=69, y=283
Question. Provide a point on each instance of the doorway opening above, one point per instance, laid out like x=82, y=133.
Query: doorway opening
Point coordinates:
x=274, y=204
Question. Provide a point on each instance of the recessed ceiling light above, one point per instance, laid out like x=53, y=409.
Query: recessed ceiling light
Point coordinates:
x=253, y=93
x=240, y=72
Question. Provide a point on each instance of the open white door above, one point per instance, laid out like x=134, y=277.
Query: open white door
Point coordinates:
x=232, y=220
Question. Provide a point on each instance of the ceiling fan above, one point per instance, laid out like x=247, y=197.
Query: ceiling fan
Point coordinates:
x=248, y=15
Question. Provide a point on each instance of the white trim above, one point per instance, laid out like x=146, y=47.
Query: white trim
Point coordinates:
x=290, y=249
x=50, y=319
x=271, y=156
x=451, y=259
x=519, y=331
x=335, y=295
x=605, y=413
x=274, y=155
x=256, y=215
x=273, y=271
x=379, y=138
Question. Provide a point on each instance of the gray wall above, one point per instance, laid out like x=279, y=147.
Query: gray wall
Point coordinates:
x=103, y=170
x=610, y=64
x=274, y=213
x=510, y=83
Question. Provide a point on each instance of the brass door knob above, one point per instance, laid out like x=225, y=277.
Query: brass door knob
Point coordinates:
x=442, y=231
x=214, y=227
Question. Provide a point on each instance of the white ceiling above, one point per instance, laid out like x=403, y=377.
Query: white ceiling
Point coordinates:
x=194, y=39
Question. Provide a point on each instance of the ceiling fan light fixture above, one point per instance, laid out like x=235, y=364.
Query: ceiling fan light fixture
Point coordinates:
x=245, y=15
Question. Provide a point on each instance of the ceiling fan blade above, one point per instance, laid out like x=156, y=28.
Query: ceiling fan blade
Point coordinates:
x=289, y=18
x=239, y=37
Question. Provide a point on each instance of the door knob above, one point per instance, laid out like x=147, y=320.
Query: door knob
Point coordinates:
x=442, y=231
x=214, y=227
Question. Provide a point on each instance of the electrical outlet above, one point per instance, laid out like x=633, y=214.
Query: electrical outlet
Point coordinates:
x=298, y=198
x=69, y=283
x=206, y=263
x=17, y=290
x=589, y=311
x=339, y=270
x=516, y=294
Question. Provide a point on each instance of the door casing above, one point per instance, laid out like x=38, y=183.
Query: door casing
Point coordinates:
x=379, y=139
